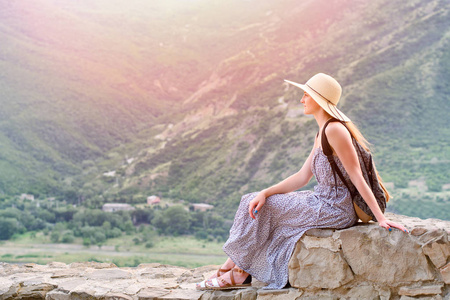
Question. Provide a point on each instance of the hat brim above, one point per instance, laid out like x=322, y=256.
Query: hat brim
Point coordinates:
x=330, y=108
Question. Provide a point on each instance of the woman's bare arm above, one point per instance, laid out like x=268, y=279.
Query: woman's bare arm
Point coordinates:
x=293, y=182
x=290, y=184
x=341, y=142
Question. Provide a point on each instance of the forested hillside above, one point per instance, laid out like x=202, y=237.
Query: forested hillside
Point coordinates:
x=115, y=102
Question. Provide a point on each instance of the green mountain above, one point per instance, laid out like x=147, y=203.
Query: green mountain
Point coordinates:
x=107, y=101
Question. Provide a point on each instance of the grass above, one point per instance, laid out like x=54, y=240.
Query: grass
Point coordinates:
x=182, y=260
x=173, y=245
x=184, y=251
x=27, y=238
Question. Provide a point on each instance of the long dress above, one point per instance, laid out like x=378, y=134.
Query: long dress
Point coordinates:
x=263, y=247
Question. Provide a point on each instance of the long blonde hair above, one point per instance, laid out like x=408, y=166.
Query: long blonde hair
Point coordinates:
x=363, y=142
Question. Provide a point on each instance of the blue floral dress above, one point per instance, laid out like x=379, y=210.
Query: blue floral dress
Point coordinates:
x=263, y=247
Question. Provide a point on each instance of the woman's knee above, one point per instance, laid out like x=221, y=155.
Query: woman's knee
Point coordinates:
x=248, y=197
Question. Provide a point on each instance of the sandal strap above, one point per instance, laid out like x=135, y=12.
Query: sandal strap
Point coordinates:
x=233, y=283
x=215, y=281
x=212, y=283
x=223, y=271
x=224, y=283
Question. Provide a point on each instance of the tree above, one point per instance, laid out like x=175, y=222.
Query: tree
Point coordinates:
x=99, y=238
x=201, y=235
x=70, y=196
x=8, y=227
x=140, y=216
x=174, y=220
x=129, y=227
x=54, y=237
x=68, y=238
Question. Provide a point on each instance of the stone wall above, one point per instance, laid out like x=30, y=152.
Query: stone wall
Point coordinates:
x=369, y=262
x=362, y=262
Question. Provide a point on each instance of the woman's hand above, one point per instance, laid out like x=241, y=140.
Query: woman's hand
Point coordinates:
x=388, y=224
x=256, y=204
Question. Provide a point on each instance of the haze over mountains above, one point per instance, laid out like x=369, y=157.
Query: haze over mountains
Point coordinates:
x=186, y=98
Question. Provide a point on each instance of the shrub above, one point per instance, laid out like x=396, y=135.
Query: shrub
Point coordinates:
x=201, y=235
x=68, y=238
x=8, y=227
x=99, y=237
x=86, y=241
x=54, y=237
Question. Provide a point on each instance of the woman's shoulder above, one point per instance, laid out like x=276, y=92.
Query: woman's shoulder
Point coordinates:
x=337, y=129
x=336, y=133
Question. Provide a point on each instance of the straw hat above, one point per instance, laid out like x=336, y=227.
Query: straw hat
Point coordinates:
x=326, y=91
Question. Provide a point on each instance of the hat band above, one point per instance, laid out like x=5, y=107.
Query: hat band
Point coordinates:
x=328, y=104
x=319, y=94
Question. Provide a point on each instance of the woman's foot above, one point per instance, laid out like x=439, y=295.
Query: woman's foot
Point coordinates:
x=227, y=266
x=202, y=285
x=236, y=278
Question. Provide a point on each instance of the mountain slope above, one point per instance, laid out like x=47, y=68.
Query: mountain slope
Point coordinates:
x=244, y=131
x=72, y=87
x=186, y=99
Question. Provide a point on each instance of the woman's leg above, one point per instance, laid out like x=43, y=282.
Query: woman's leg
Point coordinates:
x=228, y=265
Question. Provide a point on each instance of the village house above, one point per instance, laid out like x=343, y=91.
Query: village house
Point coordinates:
x=112, y=207
x=27, y=197
x=153, y=200
x=201, y=206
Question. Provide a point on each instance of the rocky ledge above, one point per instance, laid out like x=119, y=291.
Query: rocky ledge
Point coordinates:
x=362, y=262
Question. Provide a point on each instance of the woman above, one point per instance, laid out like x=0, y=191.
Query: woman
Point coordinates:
x=268, y=224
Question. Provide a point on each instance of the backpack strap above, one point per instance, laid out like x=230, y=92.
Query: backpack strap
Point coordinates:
x=328, y=151
x=326, y=148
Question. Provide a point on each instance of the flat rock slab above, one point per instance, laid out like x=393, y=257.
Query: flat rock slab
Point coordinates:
x=109, y=274
x=435, y=289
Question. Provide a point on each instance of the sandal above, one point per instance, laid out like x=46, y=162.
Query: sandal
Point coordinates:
x=213, y=284
x=202, y=285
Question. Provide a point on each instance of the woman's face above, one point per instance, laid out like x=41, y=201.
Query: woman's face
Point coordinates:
x=309, y=105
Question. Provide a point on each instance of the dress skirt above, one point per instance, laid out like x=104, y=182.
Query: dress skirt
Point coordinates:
x=263, y=247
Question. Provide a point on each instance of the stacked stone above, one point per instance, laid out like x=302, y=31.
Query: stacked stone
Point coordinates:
x=369, y=262
x=362, y=262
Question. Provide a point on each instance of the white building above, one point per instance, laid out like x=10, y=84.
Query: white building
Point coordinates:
x=202, y=206
x=27, y=197
x=112, y=207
